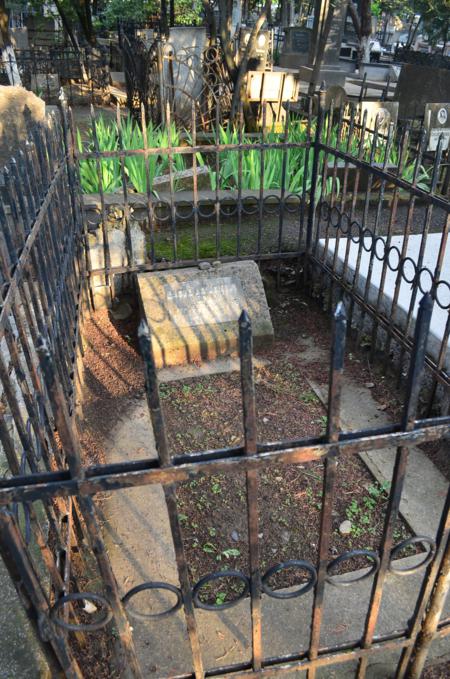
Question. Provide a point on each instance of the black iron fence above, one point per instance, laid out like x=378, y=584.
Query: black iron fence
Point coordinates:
x=362, y=201
x=83, y=74
x=342, y=185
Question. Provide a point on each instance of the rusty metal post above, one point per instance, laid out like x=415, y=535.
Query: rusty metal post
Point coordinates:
x=53, y=643
x=432, y=618
x=71, y=447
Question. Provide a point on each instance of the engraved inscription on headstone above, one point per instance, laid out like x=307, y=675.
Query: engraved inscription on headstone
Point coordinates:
x=209, y=300
x=193, y=313
x=437, y=123
x=300, y=40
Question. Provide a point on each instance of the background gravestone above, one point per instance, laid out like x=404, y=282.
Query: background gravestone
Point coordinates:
x=437, y=123
x=419, y=85
x=19, y=108
x=296, y=48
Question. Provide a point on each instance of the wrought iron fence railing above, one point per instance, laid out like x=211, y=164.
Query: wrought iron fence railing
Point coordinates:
x=333, y=181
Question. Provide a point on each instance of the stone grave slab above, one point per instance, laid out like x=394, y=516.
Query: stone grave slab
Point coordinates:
x=193, y=313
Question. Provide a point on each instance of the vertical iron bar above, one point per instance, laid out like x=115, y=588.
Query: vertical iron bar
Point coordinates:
x=162, y=447
x=252, y=478
x=71, y=446
x=409, y=414
x=195, y=181
x=333, y=429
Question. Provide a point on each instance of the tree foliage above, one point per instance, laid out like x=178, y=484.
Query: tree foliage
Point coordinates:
x=436, y=19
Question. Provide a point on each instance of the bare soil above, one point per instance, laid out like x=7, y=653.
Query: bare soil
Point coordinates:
x=205, y=413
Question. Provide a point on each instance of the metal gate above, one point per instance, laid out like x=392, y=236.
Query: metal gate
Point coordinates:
x=43, y=248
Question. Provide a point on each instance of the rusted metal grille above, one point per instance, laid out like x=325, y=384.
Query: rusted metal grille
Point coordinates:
x=43, y=267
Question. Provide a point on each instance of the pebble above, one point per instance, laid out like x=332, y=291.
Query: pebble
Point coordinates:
x=369, y=385
x=345, y=528
x=285, y=536
x=235, y=536
x=203, y=266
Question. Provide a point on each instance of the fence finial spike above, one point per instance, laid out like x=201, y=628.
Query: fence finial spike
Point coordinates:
x=42, y=347
x=340, y=314
x=244, y=318
x=427, y=301
x=143, y=330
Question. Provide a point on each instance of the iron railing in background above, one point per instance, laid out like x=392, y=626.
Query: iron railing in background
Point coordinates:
x=82, y=74
x=337, y=188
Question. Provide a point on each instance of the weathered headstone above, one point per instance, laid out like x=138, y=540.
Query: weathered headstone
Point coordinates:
x=193, y=313
x=419, y=85
x=385, y=111
x=437, y=123
x=19, y=108
x=296, y=47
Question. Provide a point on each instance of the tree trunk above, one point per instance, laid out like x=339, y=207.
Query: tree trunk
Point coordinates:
x=164, y=19
x=238, y=93
x=323, y=37
x=210, y=21
x=225, y=12
x=67, y=25
x=366, y=29
x=84, y=14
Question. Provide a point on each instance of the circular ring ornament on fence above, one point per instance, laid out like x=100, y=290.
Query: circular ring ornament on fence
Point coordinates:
x=228, y=207
x=354, y=226
x=367, y=233
x=205, y=203
x=380, y=243
x=335, y=217
x=271, y=204
x=408, y=262
x=216, y=576
x=394, y=266
x=152, y=585
x=443, y=299
x=292, y=202
x=249, y=205
x=430, y=548
x=161, y=210
x=345, y=223
x=373, y=556
x=81, y=596
x=303, y=565
x=184, y=210
x=423, y=273
x=324, y=211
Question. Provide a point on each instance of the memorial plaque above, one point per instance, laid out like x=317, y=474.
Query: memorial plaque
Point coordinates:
x=219, y=301
x=193, y=314
x=437, y=123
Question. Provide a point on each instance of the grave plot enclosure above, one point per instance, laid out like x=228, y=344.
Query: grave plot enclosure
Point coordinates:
x=78, y=220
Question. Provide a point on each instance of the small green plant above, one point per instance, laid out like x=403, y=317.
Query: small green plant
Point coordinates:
x=210, y=548
x=220, y=598
x=362, y=514
x=309, y=397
